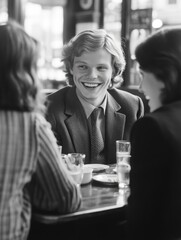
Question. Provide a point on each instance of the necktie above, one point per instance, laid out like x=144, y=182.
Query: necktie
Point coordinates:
x=97, y=142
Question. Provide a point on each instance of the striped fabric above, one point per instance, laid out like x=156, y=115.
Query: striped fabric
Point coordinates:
x=31, y=173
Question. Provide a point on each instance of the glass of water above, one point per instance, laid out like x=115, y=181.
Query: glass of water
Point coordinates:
x=123, y=163
x=123, y=171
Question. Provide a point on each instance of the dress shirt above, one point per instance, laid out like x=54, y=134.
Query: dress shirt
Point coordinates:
x=31, y=173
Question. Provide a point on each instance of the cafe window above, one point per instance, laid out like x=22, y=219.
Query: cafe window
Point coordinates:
x=45, y=23
x=3, y=11
x=172, y=1
x=112, y=17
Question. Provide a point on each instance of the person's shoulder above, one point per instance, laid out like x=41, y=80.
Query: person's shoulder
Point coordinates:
x=59, y=93
x=151, y=120
x=145, y=126
x=122, y=94
x=167, y=114
x=127, y=100
x=42, y=125
x=59, y=97
x=39, y=118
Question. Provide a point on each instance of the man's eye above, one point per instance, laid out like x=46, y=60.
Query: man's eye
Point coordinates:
x=82, y=67
x=102, y=68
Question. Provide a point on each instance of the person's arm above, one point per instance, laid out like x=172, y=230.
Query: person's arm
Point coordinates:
x=53, y=187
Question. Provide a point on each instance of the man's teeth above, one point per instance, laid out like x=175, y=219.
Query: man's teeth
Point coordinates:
x=91, y=84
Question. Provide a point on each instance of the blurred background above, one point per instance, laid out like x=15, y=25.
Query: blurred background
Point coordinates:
x=54, y=22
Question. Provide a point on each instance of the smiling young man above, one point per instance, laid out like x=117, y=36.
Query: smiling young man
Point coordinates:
x=94, y=63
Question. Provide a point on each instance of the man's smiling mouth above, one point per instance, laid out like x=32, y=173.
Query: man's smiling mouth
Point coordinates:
x=91, y=85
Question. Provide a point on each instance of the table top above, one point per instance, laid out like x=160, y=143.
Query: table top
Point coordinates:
x=97, y=199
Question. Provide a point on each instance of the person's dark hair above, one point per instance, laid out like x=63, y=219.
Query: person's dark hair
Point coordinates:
x=160, y=54
x=19, y=85
x=90, y=41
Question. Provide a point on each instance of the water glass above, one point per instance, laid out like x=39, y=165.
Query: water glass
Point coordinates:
x=122, y=147
x=123, y=163
x=123, y=171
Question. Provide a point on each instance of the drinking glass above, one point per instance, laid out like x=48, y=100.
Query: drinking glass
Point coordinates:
x=122, y=147
x=75, y=163
x=123, y=162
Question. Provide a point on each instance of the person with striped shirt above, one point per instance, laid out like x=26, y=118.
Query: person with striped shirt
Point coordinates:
x=32, y=175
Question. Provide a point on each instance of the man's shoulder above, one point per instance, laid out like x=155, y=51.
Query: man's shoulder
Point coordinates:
x=122, y=95
x=57, y=98
x=60, y=93
x=130, y=103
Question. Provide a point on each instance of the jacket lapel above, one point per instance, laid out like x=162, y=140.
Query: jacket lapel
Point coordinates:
x=115, y=123
x=77, y=124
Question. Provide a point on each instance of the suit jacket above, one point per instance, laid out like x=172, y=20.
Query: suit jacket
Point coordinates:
x=70, y=125
x=154, y=206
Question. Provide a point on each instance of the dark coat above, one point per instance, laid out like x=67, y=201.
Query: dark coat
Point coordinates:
x=154, y=207
x=70, y=125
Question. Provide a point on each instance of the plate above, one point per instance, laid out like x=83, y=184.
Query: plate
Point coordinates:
x=97, y=167
x=108, y=179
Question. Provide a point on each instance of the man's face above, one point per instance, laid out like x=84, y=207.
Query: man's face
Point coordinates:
x=92, y=73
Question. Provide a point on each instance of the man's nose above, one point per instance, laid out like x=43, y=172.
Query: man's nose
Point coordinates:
x=93, y=73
